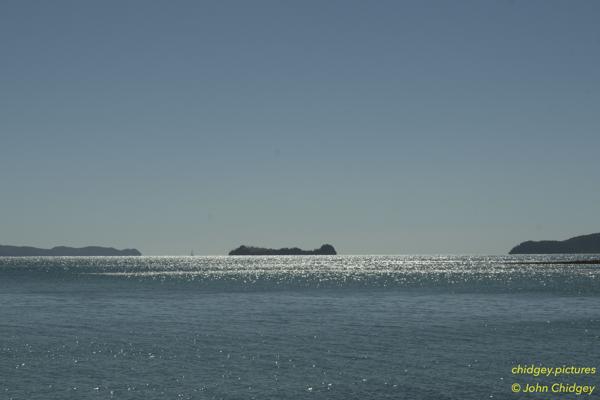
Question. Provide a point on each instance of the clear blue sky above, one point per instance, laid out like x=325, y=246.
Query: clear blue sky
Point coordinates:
x=381, y=127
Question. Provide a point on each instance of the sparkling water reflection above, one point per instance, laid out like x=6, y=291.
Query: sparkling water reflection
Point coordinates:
x=376, y=327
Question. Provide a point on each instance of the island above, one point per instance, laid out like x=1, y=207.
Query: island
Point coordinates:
x=326, y=249
x=27, y=251
x=585, y=244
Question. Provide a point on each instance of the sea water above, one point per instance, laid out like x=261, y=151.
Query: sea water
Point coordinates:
x=302, y=327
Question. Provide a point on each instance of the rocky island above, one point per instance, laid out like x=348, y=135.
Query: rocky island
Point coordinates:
x=585, y=244
x=89, y=251
x=326, y=249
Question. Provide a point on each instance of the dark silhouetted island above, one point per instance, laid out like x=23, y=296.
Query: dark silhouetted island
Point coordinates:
x=586, y=244
x=26, y=251
x=326, y=249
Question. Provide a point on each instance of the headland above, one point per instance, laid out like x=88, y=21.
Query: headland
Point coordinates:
x=88, y=251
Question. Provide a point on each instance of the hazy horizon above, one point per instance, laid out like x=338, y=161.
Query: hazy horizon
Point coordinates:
x=385, y=128
x=340, y=251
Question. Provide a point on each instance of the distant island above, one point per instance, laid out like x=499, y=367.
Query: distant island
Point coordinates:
x=27, y=251
x=586, y=244
x=326, y=249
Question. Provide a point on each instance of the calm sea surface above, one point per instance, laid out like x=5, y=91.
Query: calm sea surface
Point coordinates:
x=341, y=327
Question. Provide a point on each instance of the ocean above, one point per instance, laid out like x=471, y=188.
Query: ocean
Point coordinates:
x=300, y=327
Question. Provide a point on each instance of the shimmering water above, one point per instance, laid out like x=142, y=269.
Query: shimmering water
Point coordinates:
x=343, y=327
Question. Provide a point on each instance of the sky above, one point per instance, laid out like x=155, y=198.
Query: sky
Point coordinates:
x=387, y=127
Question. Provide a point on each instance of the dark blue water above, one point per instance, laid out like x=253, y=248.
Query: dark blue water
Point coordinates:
x=351, y=327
